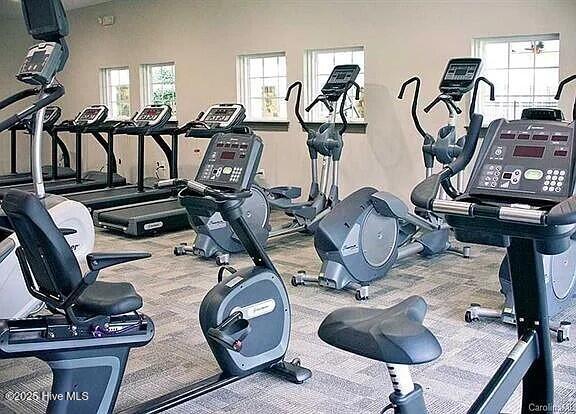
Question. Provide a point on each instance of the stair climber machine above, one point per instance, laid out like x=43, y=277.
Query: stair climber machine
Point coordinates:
x=548, y=129
x=43, y=61
x=246, y=317
x=370, y=231
x=215, y=238
x=53, y=171
x=518, y=213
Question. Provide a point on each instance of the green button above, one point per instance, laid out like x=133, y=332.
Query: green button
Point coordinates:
x=533, y=174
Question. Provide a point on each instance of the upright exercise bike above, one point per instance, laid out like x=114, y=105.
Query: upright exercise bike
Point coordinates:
x=516, y=213
x=214, y=239
x=369, y=231
x=560, y=269
x=246, y=316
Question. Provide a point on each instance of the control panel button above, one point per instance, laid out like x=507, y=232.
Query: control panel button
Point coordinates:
x=533, y=174
x=227, y=170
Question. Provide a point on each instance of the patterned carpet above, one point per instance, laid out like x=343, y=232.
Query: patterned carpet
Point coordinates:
x=173, y=288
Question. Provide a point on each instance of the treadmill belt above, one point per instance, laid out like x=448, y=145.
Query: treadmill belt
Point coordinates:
x=119, y=196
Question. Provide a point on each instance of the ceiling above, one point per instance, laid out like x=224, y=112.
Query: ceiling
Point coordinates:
x=12, y=8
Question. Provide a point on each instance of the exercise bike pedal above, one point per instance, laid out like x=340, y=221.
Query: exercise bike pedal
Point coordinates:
x=292, y=371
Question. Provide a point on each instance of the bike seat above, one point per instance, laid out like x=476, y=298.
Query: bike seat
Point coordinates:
x=394, y=335
x=104, y=298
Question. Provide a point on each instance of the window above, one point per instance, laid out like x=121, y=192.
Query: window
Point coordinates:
x=524, y=70
x=262, y=86
x=319, y=65
x=159, y=85
x=115, y=85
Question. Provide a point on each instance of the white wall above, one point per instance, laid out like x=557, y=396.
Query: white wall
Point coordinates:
x=401, y=39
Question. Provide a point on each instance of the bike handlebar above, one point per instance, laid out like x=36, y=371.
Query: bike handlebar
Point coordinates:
x=204, y=190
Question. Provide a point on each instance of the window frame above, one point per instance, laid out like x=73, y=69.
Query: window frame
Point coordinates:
x=311, y=77
x=477, y=50
x=243, y=86
x=105, y=89
x=146, y=85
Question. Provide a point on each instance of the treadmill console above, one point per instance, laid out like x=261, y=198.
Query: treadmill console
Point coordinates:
x=51, y=116
x=218, y=118
x=152, y=115
x=459, y=76
x=231, y=161
x=338, y=79
x=525, y=160
x=93, y=114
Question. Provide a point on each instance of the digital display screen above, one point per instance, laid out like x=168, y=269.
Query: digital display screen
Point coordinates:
x=220, y=114
x=540, y=137
x=227, y=155
x=340, y=76
x=149, y=114
x=89, y=114
x=523, y=136
x=560, y=153
x=507, y=175
x=560, y=138
x=461, y=71
x=528, y=151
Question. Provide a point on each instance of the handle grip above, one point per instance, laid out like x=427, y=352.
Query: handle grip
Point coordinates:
x=343, y=102
x=298, y=85
x=563, y=213
x=415, y=79
x=559, y=93
x=470, y=144
x=475, y=93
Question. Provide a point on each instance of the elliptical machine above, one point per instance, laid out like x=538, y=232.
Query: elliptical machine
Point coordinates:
x=43, y=61
x=246, y=317
x=560, y=269
x=215, y=239
x=367, y=233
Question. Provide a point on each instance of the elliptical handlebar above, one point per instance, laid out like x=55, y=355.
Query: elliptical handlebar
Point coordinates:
x=475, y=93
x=297, y=84
x=448, y=101
x=52, y=94
x=343, y=102
x=414, y=103
x=559, y=93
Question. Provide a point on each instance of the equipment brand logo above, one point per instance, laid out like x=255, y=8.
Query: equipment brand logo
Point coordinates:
x=74, y=247
x=535, y=127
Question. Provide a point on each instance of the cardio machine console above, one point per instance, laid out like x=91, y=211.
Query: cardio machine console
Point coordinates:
x=51, y=116
x=526, y=161
x=218, y=118
x=231, y=161
x=338, y=79
x=41, y=63
x=152, y=115
x=93, y=114
x=459, y=76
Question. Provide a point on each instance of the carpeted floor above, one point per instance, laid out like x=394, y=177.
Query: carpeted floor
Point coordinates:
x=173, y=288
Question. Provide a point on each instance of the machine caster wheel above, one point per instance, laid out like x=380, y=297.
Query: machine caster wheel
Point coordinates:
x=466, y=252
x=298, y=278
x=471, y=314
x=223, y=259
x=563, y=333
x=180, y=249
x=296, y=362
x=468, y=317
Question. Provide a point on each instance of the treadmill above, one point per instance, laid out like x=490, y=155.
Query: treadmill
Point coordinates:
x=152, y=121
x=52, y=171
x=150, y=218
x=92, y=179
